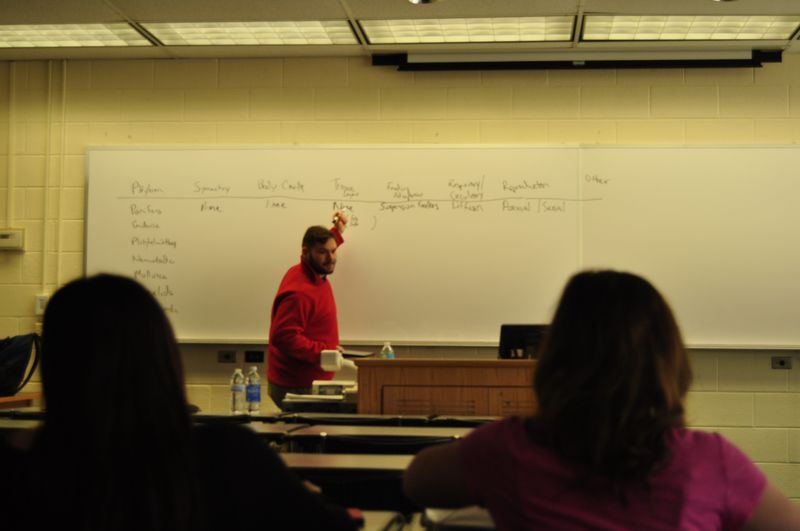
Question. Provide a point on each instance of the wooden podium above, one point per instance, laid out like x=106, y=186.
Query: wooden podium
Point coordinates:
x=456, y=387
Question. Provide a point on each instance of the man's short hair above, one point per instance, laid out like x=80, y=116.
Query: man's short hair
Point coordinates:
x=317, y=235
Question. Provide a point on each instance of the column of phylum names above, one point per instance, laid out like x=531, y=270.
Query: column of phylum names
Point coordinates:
x=152, y=248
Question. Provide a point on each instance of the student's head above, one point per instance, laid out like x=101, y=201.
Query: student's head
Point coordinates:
x=115, y=448
x=612, y=375
x=319, y=250
x=108, y=344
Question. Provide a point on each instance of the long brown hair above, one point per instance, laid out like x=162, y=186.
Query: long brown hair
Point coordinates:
x=115, y=449
x=611, y=378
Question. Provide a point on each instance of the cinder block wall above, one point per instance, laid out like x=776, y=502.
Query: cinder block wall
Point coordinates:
x=51, y=111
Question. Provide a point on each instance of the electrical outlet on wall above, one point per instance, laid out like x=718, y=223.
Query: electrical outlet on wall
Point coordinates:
x=12, y=239
x=781, y=362
x=226, y=356
x=39, y=304
x=254, y=356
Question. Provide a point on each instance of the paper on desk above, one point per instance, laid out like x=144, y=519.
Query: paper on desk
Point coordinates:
x=313, y=398
x=472, y=517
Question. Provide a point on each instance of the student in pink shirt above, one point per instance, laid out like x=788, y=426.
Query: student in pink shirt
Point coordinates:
x=608, y=447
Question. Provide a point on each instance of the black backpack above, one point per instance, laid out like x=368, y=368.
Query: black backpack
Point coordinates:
x=15, y=353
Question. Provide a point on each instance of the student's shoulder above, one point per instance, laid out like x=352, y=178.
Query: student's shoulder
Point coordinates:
x=508, y=425
x=704, y=447
x=687, y=438
x=498, y=432
x=294, y=276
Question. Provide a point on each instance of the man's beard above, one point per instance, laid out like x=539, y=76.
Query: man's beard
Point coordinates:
x=319, y=269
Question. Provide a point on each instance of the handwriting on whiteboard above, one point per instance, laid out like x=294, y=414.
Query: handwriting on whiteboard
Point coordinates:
x=153, y=246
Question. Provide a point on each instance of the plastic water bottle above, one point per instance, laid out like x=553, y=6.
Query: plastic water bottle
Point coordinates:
x=237, y=392
x=387, y=352
x=253, y=391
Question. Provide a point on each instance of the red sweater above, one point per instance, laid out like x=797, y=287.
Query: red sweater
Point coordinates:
x=303, y=325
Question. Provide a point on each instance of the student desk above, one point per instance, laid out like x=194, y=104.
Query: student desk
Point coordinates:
x=19, y=400
x=274, y=432
x=474, y=518
x=388, y=465
x=213, y=417
x=369, y=482
x=370, y=439
x=8, y=425
x=458, y=387
x=463, y=422
x=346, y=419
x=313, y=403
x=350, y=419
x=383, y=521
x=30, y=412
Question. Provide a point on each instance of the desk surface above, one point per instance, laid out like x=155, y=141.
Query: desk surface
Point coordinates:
x=226, y=414
x=354, y=419
x=19, y=400
x=381, y=520
x=18, y=424
x=274, y=428
x=386, y=463
x=321, y=430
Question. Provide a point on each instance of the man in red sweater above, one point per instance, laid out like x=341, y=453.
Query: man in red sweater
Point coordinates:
x=304, y=315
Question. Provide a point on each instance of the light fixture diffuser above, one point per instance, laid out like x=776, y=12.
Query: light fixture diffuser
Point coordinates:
x=69, y=35
x=688, y=28
x=444, y=30
x=253, y=33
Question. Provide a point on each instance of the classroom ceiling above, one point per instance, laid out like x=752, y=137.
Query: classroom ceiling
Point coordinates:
x=150, y=11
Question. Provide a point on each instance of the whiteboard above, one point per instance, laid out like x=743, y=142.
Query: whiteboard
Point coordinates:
x=717, y=229
x=445, y=245
x=449, y=242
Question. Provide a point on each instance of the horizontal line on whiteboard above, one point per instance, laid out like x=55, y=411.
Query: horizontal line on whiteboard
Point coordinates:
x=368, y=201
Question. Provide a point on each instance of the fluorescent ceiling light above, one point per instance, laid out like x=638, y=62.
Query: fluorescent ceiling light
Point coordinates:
x=688, y=28
x=506, y=29
x=253, y=33
x=69, y=35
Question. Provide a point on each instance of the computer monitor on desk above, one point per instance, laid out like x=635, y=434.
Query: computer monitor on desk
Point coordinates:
x=520, y=341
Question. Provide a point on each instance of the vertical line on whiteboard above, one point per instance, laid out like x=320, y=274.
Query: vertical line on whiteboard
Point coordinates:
x=580, y=208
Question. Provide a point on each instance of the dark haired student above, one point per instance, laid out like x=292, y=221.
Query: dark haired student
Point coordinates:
x=608, y=447
x=117, y=450
x=304, y=321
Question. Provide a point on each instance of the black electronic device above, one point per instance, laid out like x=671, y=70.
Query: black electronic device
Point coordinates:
x=520, y=341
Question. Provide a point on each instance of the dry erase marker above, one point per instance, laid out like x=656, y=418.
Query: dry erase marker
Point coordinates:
x=345, y=210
